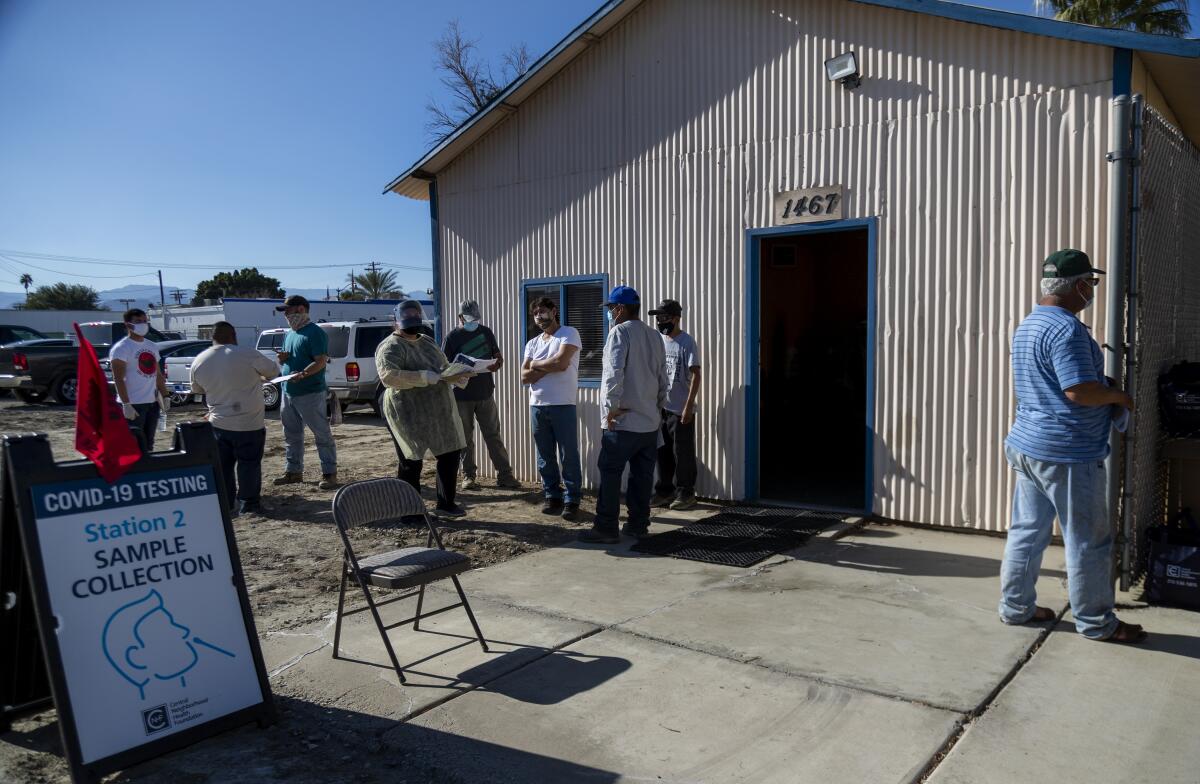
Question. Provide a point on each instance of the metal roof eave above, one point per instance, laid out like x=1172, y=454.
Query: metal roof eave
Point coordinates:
x=1045, y=26
x=413, y=182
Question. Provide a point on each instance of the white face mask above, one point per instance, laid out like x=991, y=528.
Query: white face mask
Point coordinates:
x=297, y=320
x=1089, y=297
x=140, y=329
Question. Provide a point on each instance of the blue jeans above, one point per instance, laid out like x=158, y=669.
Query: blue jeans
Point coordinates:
x=556, y=439
x=145, y=425
x=639, y=451
x=1075, y=493
x=298, y=412
x=241, y=454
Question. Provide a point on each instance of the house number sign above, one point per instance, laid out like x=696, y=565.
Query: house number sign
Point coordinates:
x=809, y=205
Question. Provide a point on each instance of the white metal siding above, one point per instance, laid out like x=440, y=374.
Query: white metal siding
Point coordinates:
x=648, y=158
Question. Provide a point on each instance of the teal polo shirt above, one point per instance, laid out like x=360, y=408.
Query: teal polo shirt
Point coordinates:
x=304, y=345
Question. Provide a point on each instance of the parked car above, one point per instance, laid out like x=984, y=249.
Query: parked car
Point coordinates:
x=39, y=342
x=39, y=371
x=171, y=334
x=11, y=333
x=351, y=373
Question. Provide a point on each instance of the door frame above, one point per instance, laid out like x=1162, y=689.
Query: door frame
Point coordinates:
x=751, y=477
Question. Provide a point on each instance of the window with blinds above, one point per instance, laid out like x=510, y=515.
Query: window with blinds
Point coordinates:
x=579, y=305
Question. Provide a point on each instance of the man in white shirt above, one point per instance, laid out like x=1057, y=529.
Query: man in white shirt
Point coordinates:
x=551, y=369
x=141, y=385
x=231, y=379
x=677, y=456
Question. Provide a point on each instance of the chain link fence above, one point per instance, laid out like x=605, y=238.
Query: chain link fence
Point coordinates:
x=1165, y=310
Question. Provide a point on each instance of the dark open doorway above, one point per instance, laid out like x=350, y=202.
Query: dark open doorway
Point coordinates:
x=813, y=322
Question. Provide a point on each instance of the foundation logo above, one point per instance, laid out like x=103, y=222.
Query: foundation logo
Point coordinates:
x=156, y=719
x=147, y=364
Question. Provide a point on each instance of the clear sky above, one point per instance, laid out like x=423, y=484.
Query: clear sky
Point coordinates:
x=229, y=133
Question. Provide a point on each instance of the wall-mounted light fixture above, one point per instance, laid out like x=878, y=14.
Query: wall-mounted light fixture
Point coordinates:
x=844, y=69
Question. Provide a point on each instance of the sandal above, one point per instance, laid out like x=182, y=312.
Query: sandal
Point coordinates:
x=1127, y=633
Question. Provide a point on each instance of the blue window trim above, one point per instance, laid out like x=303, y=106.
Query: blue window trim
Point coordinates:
x=561, y=282
x=753, y=309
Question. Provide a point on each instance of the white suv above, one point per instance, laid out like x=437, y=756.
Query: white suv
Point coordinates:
x=351, y=372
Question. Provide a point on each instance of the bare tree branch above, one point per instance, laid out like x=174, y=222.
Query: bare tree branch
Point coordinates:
x=469, y=80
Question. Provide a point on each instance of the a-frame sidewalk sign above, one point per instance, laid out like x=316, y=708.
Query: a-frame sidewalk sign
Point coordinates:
x=124, y=603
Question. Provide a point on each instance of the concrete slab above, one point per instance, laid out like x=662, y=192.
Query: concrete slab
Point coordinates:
x=598, y=584
x=631, y=709
x=1096, y=712
x=892, y=610
x=441, y=661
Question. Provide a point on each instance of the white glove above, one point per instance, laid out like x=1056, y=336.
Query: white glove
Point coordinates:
x=429, y=377
x=129, y=411
x=164, y=404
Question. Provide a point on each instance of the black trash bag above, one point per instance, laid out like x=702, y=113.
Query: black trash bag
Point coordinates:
x=1173, y=573
x=1179, y=398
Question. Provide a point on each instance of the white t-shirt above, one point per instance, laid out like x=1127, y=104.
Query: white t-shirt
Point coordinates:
x=555, y=389
x=141, y=368
x=231, y=380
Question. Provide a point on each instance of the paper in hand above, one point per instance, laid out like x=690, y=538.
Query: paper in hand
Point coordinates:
x=476, y=365
x=281, y=379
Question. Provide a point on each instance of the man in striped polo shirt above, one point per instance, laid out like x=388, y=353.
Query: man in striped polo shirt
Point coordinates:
x=1057, y=446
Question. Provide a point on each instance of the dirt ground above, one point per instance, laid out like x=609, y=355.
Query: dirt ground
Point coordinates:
x=291, y=556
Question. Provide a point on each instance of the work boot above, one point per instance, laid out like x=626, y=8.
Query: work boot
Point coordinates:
x=636, y=533
x=328, y=481
x=454, y=510
x=662, y=499
x=508, y=482
x=469, y=483
x=596, y=536
x=686, y=500
x=570, y=513
x=251, y=507
x=289, y=479
x=552, y=506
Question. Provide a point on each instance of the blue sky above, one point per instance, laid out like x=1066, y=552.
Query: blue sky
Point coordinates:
x=230, y=133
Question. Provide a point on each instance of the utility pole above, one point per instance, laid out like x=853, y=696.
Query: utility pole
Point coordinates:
x=353, y=285
x=163, y=299
x=373, y=266
x=125, y=302
x=178, y=295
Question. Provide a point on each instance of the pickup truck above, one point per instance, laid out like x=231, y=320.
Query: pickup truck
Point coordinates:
x=34, y=373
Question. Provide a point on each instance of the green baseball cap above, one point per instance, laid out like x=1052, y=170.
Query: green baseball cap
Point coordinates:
x=1068, y=263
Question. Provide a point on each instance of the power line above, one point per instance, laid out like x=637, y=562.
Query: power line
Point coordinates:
x=76, y=274
x=156, y=265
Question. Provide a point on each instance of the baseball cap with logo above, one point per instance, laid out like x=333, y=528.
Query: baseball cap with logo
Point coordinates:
x=668, y=307
x=1068, y=263
x=622, y=295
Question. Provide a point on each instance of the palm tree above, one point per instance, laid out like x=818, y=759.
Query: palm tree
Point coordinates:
x=377, y=284
x=1164, y=17
x=26, y=281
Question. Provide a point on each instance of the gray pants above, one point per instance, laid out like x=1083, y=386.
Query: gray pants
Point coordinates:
x=488, y=415
x=310, y=411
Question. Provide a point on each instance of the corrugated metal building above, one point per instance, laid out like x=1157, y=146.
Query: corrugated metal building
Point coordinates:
x=857, y=359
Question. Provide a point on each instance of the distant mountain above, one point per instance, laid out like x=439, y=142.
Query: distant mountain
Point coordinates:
x=9, y=298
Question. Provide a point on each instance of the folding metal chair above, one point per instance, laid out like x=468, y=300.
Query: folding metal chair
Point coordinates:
x=386, y=500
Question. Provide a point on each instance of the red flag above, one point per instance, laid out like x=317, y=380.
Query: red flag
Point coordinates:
x=102, y=433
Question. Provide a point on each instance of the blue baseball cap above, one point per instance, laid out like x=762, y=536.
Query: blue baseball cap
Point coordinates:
x=622, y=295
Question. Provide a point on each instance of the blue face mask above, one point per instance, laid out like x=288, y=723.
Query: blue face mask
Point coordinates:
x=608, y=314
x=470, y=326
